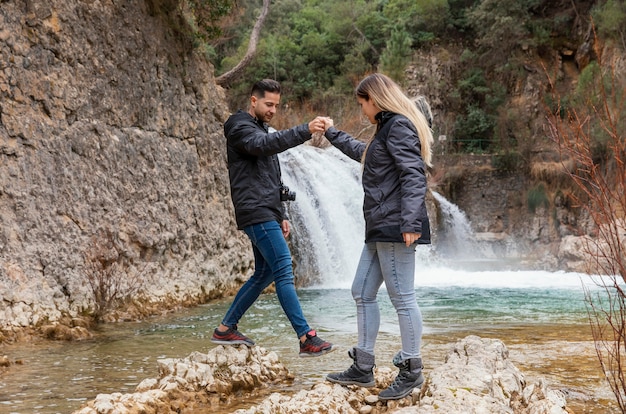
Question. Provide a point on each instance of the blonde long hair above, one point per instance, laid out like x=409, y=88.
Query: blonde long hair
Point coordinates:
x=388, y=96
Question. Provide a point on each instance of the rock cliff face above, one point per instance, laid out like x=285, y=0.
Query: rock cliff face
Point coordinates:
x=110, y=134
x=521, y=207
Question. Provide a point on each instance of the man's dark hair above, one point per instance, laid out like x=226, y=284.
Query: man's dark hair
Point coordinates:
x=265, y=85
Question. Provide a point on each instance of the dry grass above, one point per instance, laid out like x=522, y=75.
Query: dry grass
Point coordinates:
x=555, y=173
x=108, y=274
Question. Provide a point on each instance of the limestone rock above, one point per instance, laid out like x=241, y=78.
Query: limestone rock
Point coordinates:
x=477, y=377
x=109, y=123
x=199, y=381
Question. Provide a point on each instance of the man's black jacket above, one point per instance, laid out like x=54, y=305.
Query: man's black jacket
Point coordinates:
x=253, y=166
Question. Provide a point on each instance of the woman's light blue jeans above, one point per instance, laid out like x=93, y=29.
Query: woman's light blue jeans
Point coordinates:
x=272, y=263
x=394, y=264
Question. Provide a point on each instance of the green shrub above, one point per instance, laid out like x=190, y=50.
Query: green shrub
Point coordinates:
x=537, y=197
x=507, y=162
x=610, y=19
x=474, y=130
x=396, y=55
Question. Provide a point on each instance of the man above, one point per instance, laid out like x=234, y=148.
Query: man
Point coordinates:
x=257, y=193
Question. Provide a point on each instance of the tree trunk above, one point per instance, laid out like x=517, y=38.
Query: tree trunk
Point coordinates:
x=227, y=78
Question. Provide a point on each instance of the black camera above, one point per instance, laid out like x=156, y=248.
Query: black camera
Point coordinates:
x=286, y=195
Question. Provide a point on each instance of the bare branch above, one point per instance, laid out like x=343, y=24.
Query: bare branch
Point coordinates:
x=227, y=78
x=365, y=39
x=601, y=182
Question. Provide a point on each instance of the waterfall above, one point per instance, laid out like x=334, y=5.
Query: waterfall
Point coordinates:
x=327, y=217
x=327, y=223
x=328, y=229
x=455, y=235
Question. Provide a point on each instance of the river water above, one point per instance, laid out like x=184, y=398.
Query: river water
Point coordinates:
x=541, y=316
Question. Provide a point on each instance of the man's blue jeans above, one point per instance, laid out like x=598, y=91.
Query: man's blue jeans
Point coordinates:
x=394, y=264
x=272, y=263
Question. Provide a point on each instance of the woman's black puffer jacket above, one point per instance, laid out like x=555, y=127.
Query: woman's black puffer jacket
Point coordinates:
x=253, y=166
x=394, y=179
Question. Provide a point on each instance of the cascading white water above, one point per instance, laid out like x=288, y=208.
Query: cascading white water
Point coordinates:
x=326, y=217
x=328, y=229
x=455, y=235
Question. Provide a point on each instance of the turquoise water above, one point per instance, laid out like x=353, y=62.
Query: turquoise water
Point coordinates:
x=59, y=377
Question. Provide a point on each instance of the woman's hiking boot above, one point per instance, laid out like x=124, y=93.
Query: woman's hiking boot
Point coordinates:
x=360, y=373
x=409, y=377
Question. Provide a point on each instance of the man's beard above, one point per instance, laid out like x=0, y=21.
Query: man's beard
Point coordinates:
x=263, y=117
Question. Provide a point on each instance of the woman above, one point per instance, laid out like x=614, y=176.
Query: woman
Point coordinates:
x=394, y=182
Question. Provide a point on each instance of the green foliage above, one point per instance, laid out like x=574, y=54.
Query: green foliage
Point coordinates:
x=320, y=49
x=313, y=45
x=396, y=56
x=458, y=10
x=495, y=96
x=473, y=131
x=418, y=16
x=595, y=91
x=196, y=21
x=507, y=162
x=473, y=86
x=206, y=15
x=557, y=106
x=537, y=197
x=354, y=65
x=610, y=20
x=501, y=24
x=541, y=31
x=587, y=87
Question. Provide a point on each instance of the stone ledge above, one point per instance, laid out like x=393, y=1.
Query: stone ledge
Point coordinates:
x=477, y=376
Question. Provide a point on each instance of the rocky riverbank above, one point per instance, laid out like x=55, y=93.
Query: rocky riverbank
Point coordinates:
x=476, y=376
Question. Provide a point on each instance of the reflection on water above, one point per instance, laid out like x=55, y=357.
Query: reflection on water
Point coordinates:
x=545, y=330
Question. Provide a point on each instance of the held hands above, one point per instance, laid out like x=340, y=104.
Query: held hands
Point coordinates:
x=320, y=124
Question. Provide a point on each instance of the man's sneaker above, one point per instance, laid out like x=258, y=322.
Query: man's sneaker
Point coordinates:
x=314, y=345
x=231, y=337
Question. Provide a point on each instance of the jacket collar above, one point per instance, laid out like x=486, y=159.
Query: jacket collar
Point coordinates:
x=382, y=117
x=257, y=121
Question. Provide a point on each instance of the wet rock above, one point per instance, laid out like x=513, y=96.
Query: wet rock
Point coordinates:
x=197, y=382
x=66, y=333
x=476, y=377
x=4, y=361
